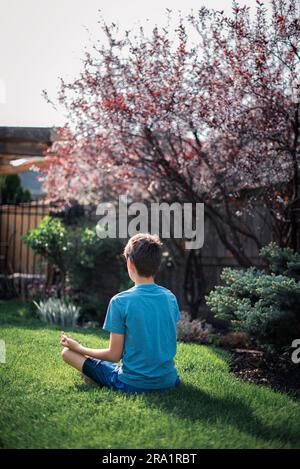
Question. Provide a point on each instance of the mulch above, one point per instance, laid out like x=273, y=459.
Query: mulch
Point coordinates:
x=265, y=369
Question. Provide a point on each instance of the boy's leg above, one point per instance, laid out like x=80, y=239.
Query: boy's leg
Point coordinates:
x=98, y=371
x=73, y=358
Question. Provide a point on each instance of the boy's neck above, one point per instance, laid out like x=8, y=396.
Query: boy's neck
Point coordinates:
x=144, y=281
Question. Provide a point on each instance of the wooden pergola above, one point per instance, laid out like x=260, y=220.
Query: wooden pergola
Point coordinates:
x=23, y=147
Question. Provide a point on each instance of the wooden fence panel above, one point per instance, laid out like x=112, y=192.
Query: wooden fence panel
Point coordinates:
x=15, y=221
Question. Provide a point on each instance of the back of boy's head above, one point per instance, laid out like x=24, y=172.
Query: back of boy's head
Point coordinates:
x=145, y=251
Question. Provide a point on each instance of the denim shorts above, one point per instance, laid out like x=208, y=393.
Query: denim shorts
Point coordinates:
x=105, y=373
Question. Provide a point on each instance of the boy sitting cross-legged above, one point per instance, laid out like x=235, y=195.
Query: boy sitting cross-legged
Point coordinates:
x=142, y=325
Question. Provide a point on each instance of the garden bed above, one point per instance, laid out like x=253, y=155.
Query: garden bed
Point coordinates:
x=273, y=370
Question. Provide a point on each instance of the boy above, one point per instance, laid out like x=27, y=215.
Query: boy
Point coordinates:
x=142, y=325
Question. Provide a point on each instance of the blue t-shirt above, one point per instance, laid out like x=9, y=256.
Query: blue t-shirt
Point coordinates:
x=147, y=315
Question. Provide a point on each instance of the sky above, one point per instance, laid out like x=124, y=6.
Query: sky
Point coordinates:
x=41, y=41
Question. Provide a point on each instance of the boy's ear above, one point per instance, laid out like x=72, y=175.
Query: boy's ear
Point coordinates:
x=130, y=263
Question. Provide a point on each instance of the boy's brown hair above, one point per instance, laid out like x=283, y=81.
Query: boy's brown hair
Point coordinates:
x=145, y=251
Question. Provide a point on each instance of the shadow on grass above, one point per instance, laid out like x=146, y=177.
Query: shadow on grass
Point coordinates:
x=191, y=403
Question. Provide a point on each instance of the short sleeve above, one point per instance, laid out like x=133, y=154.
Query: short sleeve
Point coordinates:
x=114, y=319
x=177, y=311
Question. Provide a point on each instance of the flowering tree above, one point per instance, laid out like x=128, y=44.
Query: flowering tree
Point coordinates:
x=214, y=120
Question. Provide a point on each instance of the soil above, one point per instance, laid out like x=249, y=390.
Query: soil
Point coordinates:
x=264, y=369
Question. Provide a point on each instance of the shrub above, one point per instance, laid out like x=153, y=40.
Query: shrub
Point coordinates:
x=49, y=240
x=264, y=305
x=97, y=271
x=55, y=311
x=282, y=261
x=91, y=269
x=193, y=331
x=234, y=339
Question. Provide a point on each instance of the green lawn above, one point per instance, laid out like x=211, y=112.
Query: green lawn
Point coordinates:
x=45, y=404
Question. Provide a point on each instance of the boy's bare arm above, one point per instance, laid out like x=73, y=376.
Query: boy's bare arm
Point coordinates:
x=112, y=354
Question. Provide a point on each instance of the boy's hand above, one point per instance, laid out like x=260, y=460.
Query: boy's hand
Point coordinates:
x=71, y=344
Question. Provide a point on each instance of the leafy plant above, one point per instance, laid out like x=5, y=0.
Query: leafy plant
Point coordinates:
x=91, y=269
x=55, y=311
x=50, y=240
